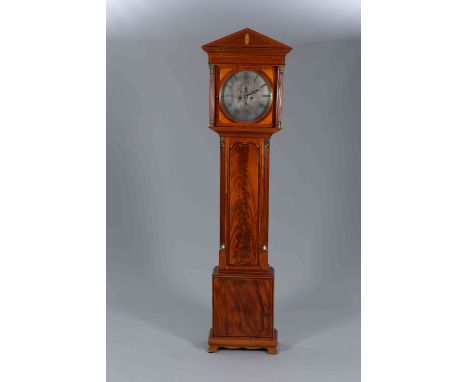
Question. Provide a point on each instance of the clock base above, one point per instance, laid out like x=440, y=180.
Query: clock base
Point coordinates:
x=270, y=344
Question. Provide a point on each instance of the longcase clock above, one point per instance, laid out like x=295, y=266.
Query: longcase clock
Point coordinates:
x=245, y=98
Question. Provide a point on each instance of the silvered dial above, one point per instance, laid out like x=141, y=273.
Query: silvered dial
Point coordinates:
x=246, y=96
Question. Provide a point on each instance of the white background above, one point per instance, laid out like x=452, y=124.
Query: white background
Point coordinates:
x=414, y=191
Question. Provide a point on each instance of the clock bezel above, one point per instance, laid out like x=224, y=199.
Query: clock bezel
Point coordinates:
x=232, y=73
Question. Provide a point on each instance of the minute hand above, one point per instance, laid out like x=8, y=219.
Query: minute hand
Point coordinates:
x=252, y=92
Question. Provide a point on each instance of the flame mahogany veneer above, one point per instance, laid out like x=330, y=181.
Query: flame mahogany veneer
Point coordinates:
x=243, y=282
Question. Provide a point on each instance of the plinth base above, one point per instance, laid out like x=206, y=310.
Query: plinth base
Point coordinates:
x=243, y=343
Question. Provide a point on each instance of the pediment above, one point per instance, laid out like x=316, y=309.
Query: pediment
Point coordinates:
x=246, y=40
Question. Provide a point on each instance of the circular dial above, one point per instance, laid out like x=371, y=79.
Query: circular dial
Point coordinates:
x=246, y=96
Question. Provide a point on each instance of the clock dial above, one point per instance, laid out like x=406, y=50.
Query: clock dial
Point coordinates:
x=246, y=96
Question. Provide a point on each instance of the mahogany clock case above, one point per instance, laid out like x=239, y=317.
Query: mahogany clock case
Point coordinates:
x=243, y=281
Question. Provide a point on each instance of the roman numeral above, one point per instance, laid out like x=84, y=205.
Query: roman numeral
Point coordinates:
x=256, y=77
x=262, y=85
x=266, y=95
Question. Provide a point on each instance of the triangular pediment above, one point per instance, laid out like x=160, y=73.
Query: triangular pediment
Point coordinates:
x=246, y=39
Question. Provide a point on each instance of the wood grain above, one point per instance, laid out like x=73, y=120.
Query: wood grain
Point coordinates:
x=217, y=342
x=243, y=306
x=244, y=167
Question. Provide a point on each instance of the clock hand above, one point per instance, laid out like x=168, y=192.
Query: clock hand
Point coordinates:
x=252, y=92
